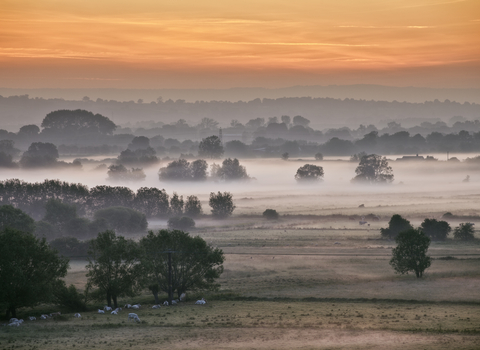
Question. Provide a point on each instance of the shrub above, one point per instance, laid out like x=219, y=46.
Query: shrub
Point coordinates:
x=270, y=214
x=222, y=204
x=464, y=231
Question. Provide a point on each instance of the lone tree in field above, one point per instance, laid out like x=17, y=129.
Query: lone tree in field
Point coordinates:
x=222, y=204
x=464, y=231
x=195, y=265
x=373, y=169
x=436, y=230
x=309, y=172
x=396, y=225
x=113, y=267
x=210, y=147
x=30, y=271
x=410, y=253
x=270, y=214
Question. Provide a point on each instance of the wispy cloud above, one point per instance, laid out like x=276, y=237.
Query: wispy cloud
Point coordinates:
x=386, y=27
x=281, y=43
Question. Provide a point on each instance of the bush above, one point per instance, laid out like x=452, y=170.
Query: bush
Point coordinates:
x=396, y=225
x=181, y=223
x=193, y=207
x=309, y=172
x=436, y=230
x=270, y=214
x=318, y=156
x=69, y=298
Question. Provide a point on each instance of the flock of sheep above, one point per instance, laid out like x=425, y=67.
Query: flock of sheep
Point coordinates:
x=14, y=322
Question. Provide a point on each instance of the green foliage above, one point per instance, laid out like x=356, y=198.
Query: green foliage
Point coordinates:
x=231, y=170
x=373, y=169
x=195, y=265
x=181, y=223
x=222, y=204
x=113, y=266
x=410, y=253
x=193, y=207
x=210, y=147
x=15, y=219
x=436, y=230
x=69, y=298
x=270, y=214
x=29, y=270
x=396, y=225
x=464, y=231
x=309, y=172
x=122, y=219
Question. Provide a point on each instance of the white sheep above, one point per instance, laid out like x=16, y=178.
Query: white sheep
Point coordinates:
x=13, y=320
x=101, y=311
x=174, y=302
x=77, y=315
x=156, y=307
x=137, y=306
x=201, y=302
x=114, y=312
x=15, y=324
x=183, y=296
x=32, y=318
x=165, y=303
x=133, y=317
x=44, y=317
x=127, y=306
x=107, y=308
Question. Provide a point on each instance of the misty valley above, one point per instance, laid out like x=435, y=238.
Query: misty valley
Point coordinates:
x=364, y=233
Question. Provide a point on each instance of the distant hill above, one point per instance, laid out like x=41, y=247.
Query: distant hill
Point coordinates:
x=359, y=92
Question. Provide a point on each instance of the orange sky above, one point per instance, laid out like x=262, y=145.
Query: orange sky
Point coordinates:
x=217, y=44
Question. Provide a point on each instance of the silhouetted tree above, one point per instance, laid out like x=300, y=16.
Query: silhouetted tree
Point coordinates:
x=210, y=147
x=373, y=169
x=464, y=231
x=435, y=230
x=410, y=253
x=176, y=204
x=113, y=267
x=152, y=201
x=270, y=214
x=318, y=156
x=396, y=225
x=309, y=172
x=77, y=122
x=231, y=170
x=221, y=204
x=39, y=154
x=29, y=270
x=193, y=207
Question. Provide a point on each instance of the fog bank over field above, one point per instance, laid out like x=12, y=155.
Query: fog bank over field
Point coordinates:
x=419, y=187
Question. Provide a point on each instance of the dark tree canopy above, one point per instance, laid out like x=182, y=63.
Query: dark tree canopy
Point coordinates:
x=183, y=170
x=299, y=120
x=121, y=219
x=29, y=130
x=210, y=147
x=113, y=267
x=195, y=264
x=176, y=204
x=77, y=122
x=193, y=207
x=396, y=225
x=13, y=218
x=410, y=255
x=436, y=230
x=152, y=201
x=231, y=170
x=464, y=231
x=222, y=204
x=119, y=173
x=40, y=154
x=29, y=270
x=309, y=172
x=373, y=169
